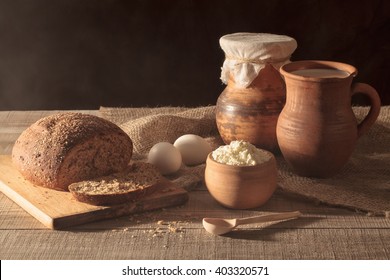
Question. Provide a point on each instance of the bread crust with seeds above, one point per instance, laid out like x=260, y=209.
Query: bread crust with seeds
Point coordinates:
x=64, y=148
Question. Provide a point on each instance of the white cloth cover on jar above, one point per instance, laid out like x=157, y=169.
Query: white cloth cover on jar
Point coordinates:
x=247, y=53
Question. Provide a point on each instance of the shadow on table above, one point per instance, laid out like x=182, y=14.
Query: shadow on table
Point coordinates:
x=267, y=233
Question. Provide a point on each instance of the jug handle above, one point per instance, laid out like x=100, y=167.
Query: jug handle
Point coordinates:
x=373, y=114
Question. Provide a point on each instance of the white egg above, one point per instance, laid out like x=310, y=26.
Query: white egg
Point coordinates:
x=193, y=148
x=165, y=157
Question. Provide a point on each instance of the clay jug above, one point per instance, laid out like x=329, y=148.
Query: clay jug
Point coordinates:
x=317, y=129
x=251, y=113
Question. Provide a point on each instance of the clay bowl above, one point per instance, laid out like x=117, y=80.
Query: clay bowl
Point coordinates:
x=241, y=187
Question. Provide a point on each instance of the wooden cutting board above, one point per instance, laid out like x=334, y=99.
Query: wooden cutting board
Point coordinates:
x=56, y=209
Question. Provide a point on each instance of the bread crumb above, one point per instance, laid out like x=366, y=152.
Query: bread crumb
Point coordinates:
x=162, y=222
x=172, y=228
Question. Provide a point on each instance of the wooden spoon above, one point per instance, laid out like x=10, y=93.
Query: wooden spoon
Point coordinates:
x=220, y=226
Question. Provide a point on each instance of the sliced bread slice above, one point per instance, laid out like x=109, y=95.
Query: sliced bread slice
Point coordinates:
x=139, y=179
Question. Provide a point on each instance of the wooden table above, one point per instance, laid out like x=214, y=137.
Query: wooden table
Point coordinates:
x=323, y=232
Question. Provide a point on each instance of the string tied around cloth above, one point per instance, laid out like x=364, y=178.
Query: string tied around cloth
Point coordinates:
x=272, y=61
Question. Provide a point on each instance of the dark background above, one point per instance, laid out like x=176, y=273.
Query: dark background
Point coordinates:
x=80, y=54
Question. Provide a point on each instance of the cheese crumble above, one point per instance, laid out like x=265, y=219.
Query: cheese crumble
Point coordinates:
x=240, y=153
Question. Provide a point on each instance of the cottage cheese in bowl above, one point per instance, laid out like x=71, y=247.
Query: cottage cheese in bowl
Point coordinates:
x=240, y=153
x=240, y=176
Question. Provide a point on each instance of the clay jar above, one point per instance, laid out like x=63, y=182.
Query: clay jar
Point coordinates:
x=317, y=129
x=255, y=94
x=251, y=113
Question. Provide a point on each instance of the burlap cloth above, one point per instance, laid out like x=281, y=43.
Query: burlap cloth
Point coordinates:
x=363, y=184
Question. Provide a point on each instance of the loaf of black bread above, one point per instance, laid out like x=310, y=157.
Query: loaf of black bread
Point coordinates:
x=64, y=148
